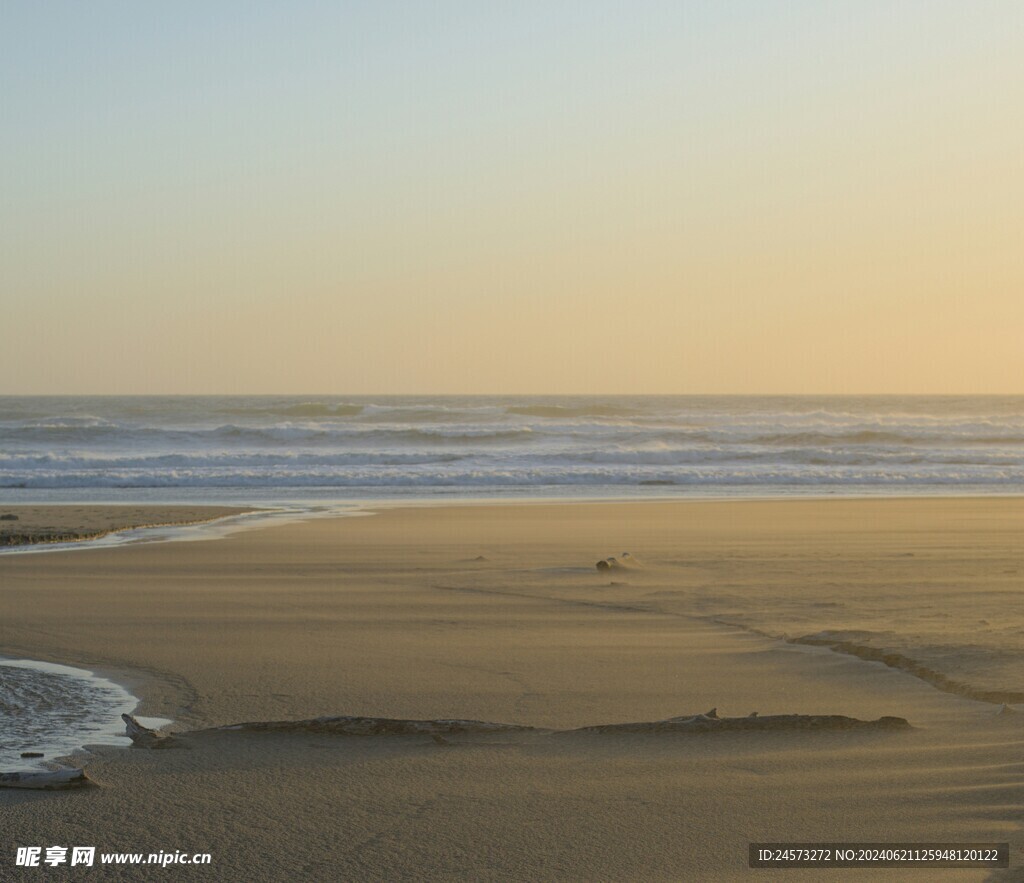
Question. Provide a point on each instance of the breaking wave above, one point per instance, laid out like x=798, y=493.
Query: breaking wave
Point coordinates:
x=712, y=444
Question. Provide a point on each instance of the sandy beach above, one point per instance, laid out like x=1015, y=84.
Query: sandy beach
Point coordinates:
x=862, y=608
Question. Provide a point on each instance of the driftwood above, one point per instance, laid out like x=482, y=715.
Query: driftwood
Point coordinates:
x=144, y=737
x=47, y=780
x=708, y=722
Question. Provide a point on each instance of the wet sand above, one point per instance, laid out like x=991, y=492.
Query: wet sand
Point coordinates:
x=26, y=525
x=498, y=613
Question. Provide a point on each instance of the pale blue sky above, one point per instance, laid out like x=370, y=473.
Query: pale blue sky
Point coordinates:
x=517, y=197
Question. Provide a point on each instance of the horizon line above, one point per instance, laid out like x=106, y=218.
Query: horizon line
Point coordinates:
x=516, y=394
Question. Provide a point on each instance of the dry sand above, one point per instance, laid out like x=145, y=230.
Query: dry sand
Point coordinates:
x=498, y=613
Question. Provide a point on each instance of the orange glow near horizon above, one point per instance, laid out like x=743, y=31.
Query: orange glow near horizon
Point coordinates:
x=595, y=200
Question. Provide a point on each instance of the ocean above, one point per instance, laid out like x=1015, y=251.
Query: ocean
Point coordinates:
x=304, y=448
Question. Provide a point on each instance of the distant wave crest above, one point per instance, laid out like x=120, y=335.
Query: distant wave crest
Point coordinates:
x=570, y=411
x=454, y=444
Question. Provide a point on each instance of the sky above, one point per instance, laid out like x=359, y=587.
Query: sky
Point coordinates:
x=533, y=197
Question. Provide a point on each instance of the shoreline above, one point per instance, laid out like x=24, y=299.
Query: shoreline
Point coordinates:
x=57, y=748
x=341, y=507
x=295, y=497
x=22, y=524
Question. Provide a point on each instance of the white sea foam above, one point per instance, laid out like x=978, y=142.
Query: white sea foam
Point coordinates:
x=56, y=710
